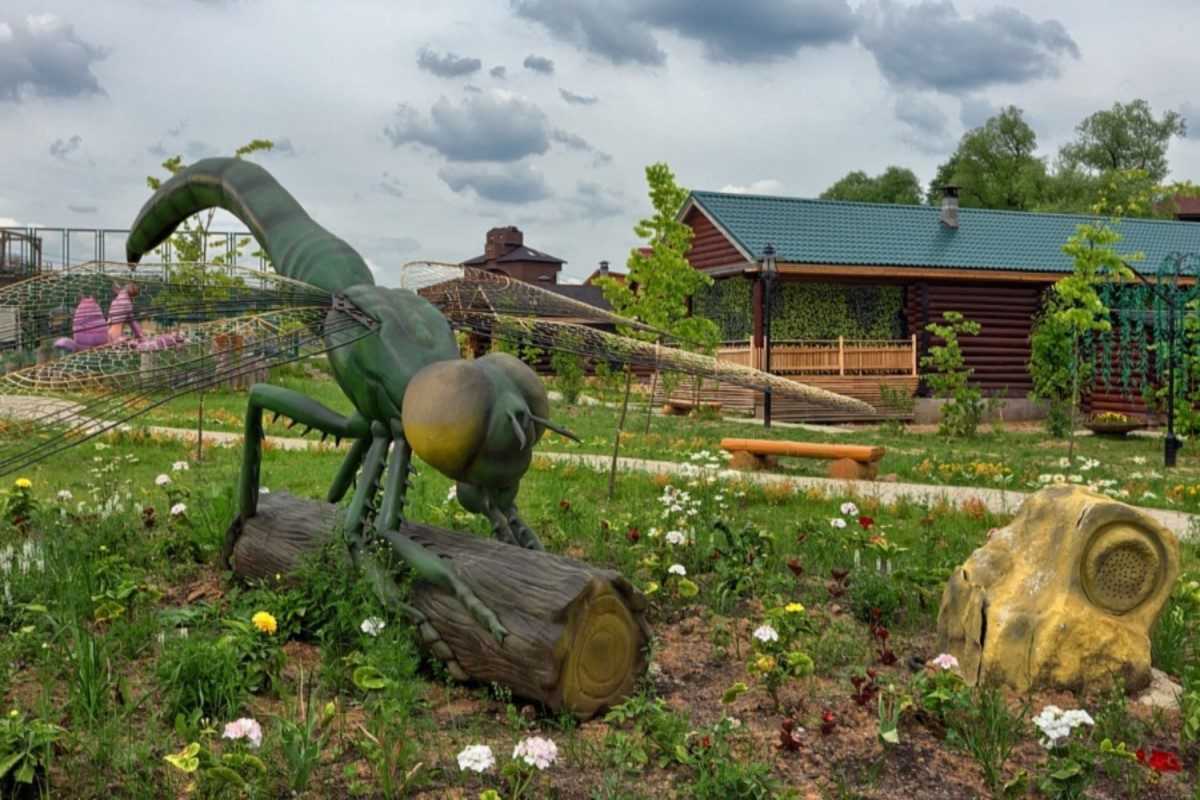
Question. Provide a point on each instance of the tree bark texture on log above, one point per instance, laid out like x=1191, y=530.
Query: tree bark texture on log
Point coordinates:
x=576, y=633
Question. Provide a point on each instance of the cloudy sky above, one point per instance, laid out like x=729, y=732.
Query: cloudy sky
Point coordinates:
x=410, y=128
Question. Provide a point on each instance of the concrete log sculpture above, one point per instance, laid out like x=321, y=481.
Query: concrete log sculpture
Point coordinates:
x=1065, y=596
x=576, y=635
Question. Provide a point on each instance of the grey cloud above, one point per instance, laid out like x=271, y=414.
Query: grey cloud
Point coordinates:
x=82, y=209
x=927, y=125
x=604, y=27
x=41, y=56
x=157, y=150
x=577, y=99
x=539, y=64
x=513, y=183
x=491, y=126
x=498, y=71
x=753, y=30
x=596, y=202
x=576, y=142
x=975, y=111
x=472, y=88
x=62, y=149
x=447, y=65
x=749, y=31
x=390, y=184
x=930, y=46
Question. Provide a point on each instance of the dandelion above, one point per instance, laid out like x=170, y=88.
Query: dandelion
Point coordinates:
x=849, y=509
x=945, y=662
x=837, y=522
x=765, y=633
x=162, y=480
x=65, y=496
x=794, y=608
x=536, y=752
x=23, y=483
x=675, y=537
x=265, y=622
x=180, y=466
x=244, y=728
x=476, y=758
x=179, y=509
x=677, y=569
x=372, y=626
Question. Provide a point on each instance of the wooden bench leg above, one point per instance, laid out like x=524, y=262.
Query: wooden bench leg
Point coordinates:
x=849, y=469
x=751, y=462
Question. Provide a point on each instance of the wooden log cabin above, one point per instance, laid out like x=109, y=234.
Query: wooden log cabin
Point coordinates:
x=858, y=282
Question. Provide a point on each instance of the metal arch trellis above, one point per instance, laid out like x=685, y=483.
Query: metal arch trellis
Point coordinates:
x=1146, y=334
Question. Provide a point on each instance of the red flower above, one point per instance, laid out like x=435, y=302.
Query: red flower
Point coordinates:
x=633, y=534
x=794, y=566
x=866, y=522
x=1160, y=760
x=881, y=633
x=828, y=722
x=788, y=739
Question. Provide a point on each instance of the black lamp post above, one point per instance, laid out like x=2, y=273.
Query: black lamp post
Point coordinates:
x=768, y=276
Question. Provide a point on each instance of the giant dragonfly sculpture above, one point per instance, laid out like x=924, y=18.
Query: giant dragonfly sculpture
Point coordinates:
x=393, y=352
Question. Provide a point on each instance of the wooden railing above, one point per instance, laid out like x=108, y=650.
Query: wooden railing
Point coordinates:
x=839, y=356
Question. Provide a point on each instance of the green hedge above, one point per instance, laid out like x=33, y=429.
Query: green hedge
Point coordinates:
x=806, y=310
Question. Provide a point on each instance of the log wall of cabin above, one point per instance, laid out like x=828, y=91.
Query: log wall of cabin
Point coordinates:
x=709, y=247
x=999, y=355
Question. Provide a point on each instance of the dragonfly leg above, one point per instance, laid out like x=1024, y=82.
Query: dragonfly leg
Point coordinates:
x=304, y=411
x=523, y=533
x=429, y=567
x=362, y=505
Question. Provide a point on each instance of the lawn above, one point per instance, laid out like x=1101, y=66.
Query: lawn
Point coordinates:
x=123, y=643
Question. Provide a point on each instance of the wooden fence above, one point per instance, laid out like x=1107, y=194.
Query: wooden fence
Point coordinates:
x=840, y=356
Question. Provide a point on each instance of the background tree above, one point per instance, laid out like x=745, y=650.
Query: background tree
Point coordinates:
x=660, y=283
x=1125, y=137
x=893, y=185
x=995, y=165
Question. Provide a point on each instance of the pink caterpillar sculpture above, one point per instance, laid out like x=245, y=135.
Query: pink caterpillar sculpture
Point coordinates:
x=90, y=329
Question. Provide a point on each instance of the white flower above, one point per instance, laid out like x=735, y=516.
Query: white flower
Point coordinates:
x=849, y=509
x=1139, y=459
x=452, y=493
x=837, y=522
x=180, y=466
x=162, y=480
x=1064, y=462
x=244, y=728
x=65, y=495
x=1056, y=724
x=178, y=509
x=945, y=661
x=677, y=569
x=1148, y=495
x=536, y=751
x=476, y=758
x=263, y=490
x=765, y=633
x=371, y=626
x=1075, y=478
x=676, y=537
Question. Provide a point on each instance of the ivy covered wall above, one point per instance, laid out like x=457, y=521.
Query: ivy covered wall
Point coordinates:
x=806, y=310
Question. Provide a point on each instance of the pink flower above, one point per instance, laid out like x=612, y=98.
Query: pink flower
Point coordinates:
x=244, y=728
x=536, y=752
x=945, y=661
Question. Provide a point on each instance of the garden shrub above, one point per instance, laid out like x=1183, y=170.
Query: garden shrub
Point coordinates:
x=875, y=598
x=200, y=675
x=949, y=376
x=568, y=371
x=1050, y=360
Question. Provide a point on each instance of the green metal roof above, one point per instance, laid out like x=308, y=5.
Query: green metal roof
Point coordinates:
x=840, y=232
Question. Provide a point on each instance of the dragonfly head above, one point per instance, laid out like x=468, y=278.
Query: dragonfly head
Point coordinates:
x=477, y=420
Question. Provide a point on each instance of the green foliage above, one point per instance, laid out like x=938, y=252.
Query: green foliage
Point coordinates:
x=949, y=376
x=876, y=598
x=995, y=165
x=988, y=731
x=658, y=285
x=26, y=747
x=198, y=675
x=655, y=724
x=722, y=774
x=1052, y=366
x=569, y=375
x=893, y=185
x=1125, y=137
x=805, y=310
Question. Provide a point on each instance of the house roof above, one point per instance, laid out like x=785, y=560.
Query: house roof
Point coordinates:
x=521, y=253
x=592, y=295
x=846, y=233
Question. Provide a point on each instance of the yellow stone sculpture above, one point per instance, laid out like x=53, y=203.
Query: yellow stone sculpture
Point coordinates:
x=1065, y=596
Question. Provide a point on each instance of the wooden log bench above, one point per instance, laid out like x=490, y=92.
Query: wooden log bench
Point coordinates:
x=849, y=461
x=681, y=408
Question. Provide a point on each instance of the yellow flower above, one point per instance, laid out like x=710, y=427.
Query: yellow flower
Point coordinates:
x=23, y=483
x=264, y=622
x=794, y=608
x=764, y=664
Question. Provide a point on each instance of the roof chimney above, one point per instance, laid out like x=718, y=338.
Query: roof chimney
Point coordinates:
x=603, y=267
x=949, y=215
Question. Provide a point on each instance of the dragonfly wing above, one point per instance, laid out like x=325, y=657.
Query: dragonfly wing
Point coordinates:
x=90, y=305
x=53, y=406
x=604, y=346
